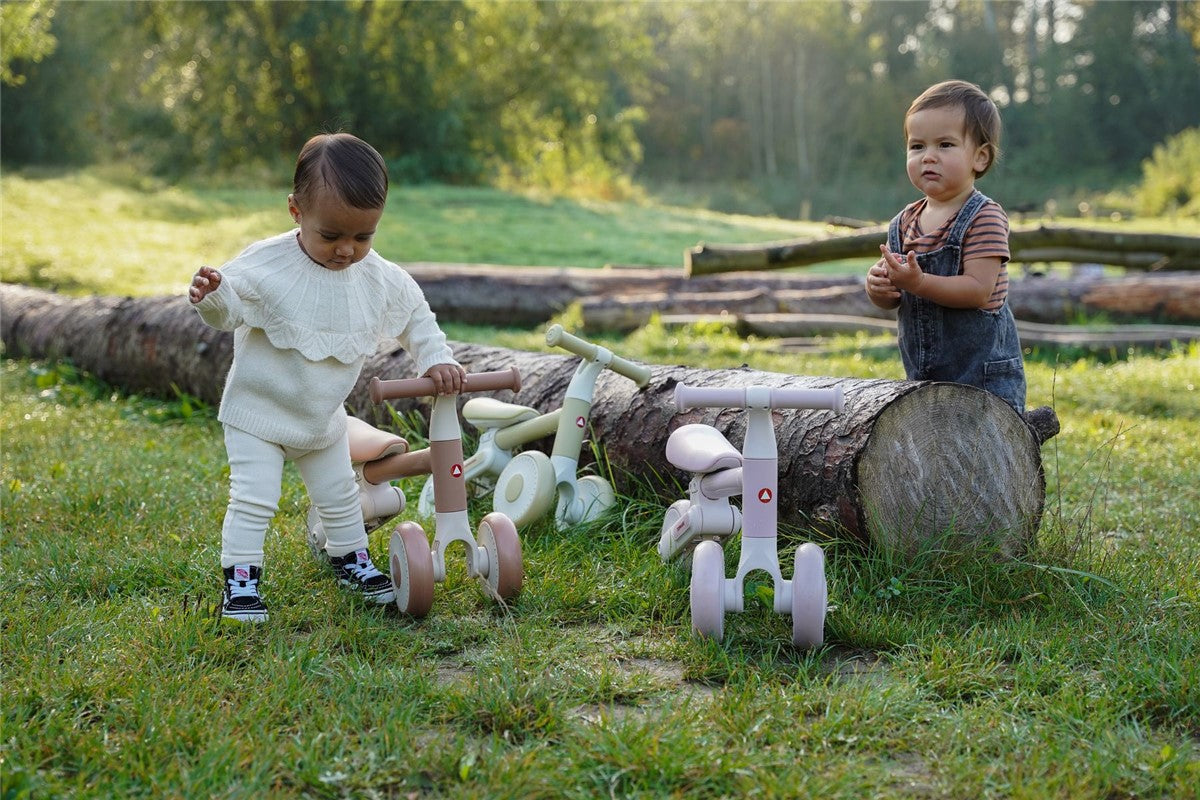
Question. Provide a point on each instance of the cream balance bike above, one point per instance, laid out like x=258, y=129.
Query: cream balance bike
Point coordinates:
x=525, y=484
x=700, y=524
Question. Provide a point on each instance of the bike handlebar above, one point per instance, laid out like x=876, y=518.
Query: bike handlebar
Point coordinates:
x=557, y=337
x=720, y=397
x=381, y=390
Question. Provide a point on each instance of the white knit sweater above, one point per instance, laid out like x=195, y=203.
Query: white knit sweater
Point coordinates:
x=301, y=333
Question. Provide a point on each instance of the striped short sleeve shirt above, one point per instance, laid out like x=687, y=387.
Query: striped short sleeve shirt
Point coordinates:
x=986, y=237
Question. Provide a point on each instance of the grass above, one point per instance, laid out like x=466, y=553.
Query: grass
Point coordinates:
x=1074, y=673
x=103, y=231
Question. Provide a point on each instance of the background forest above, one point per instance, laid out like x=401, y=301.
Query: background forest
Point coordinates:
x=785, y=108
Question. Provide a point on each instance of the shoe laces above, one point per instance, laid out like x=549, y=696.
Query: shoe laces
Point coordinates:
x=246, y=588
x=364, y=570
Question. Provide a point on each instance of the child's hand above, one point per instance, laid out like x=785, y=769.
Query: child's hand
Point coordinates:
x=205, y=280
x=880, y=289
x=903, y=270
x=447, y=378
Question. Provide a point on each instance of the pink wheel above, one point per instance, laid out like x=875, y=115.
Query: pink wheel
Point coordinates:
x=809, y=596
x=708, y=590
x=412, y=569
x=498, y=536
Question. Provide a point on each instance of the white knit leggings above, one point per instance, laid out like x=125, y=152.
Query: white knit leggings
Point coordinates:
x=255, y=484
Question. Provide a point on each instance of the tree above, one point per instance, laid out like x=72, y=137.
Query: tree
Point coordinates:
x=26, y=37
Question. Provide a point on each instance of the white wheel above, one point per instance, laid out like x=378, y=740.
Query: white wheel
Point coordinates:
x=675, y=529
x=809, y=596
x=498, y=537
x=594, y=496
x=425, y=501
x=525, y=488
x=315, y=533
x=708, y=585
x=412, y=569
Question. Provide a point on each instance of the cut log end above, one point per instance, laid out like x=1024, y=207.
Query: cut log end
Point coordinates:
x=947, y=462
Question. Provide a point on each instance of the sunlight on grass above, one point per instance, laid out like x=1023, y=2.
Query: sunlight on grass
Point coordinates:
x=1070, y=672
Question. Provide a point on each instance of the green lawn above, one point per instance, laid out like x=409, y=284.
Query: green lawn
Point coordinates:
x=1074, y=673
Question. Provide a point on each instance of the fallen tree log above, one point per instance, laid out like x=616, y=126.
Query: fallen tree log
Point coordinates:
x=1130, y=249
x=903, y=465
x=487, y=294
x=1168, y=299
x=1099, y=337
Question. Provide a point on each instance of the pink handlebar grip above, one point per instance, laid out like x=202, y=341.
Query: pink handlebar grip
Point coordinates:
x=557, y=337
x=720, y=397
x=381, y=390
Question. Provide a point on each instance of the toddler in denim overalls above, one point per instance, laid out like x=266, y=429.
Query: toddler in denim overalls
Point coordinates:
x=955, y=323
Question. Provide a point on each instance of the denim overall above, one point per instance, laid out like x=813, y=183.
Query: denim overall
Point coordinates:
x=961, y=345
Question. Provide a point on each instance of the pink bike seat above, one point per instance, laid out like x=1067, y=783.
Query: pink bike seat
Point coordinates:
x=487, y=412
x=701, y=449
x=368, y=443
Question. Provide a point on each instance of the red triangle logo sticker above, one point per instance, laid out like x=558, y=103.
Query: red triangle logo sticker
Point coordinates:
x=580, y=422
x=764, y=496
x=456, y=470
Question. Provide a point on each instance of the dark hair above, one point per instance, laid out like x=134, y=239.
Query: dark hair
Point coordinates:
x=344, y=163
x=980, y=115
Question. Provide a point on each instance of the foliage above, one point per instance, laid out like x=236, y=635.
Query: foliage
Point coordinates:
x=795, y=108
x=1171, y=177
x=25, y=33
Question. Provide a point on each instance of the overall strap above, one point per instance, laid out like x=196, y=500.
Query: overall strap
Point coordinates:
x=966, y=215
x=893, y=238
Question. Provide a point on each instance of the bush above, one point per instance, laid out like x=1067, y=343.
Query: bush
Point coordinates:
x=1171, y=177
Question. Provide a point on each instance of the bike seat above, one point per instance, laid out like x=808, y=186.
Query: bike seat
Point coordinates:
x=701, y=449
x=487, y=412
x=368, y=443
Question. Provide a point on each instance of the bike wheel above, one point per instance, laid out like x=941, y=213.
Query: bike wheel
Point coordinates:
x=425, y=501
x=595, y=496
x=498, y=537
x=809, y=596
x=707, y=594
x=412, y=569
x=315, y=533
x=525, y=488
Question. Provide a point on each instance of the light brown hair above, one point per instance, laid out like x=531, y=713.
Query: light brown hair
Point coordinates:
x=981, y=118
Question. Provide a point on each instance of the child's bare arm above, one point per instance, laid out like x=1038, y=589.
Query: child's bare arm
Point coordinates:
x=972, y=289
x=205, y=280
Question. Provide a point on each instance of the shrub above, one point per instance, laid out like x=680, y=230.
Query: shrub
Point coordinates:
x=1171, y=177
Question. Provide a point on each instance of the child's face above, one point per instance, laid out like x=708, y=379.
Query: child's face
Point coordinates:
x=332, y=233
x=942, y=159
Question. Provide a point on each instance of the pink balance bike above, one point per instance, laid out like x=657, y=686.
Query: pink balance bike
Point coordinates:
x=700, y=524
x=380, y=457
x=526, y=484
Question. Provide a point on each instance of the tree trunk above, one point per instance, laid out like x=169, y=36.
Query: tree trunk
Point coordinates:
x=905, y=462
x=1117, y=248
x=1161, y=298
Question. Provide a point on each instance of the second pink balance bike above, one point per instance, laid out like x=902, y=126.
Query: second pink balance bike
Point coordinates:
x=701, y=523
x=526, y=484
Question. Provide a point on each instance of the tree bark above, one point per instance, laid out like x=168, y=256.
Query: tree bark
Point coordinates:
x=1118, y=248
x=905, y=462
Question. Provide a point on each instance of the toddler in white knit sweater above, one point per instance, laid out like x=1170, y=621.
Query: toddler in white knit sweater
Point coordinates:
x=307, y=308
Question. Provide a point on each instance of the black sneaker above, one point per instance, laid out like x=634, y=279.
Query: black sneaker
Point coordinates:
x=240, y=600
x=356, y=571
